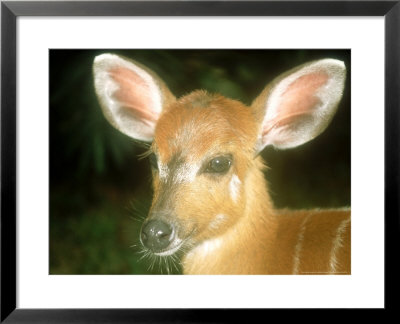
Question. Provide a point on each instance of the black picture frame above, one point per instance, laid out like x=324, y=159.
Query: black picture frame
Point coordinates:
x=10, y=11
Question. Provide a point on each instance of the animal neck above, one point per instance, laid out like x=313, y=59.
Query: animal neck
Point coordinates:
x=259, y=206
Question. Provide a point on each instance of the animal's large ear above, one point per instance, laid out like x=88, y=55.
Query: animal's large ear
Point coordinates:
x=298, y=105
x=131, y=96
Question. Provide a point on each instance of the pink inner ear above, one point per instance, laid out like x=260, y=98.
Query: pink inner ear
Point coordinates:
x=300, y=95
x=134, y=94
x=299, y=99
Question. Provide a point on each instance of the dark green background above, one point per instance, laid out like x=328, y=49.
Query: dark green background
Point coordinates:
x=100, y=190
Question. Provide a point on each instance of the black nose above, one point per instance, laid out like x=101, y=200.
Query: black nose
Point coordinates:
x=156, y=235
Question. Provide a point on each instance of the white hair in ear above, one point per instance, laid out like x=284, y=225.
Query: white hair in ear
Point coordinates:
x=130, y=96
x=301, y=103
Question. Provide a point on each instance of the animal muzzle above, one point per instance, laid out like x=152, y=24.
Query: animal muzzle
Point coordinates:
x=157, y=235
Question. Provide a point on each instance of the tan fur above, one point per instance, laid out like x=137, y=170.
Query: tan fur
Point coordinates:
x=264, y=241
x=225, y=222
x=254, y=238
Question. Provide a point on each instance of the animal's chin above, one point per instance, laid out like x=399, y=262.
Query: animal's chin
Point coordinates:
x=171, y=249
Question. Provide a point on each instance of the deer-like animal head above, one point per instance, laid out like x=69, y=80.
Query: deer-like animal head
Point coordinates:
x=204, y=146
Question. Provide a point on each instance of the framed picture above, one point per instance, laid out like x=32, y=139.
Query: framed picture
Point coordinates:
x=75, y=194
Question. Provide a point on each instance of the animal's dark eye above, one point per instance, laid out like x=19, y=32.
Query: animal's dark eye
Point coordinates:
x=153, y=161
x=220, y=164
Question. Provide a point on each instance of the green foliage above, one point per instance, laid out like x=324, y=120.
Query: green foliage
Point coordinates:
x=101, y=240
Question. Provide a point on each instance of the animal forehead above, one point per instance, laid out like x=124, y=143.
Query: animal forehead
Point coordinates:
x=196, y=125
x=190, y=145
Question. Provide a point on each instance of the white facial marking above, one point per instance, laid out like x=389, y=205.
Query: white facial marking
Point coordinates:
x=234, y=187
x=162, y=171
x=217, y=221
x=186, y=173
x=208, y=247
